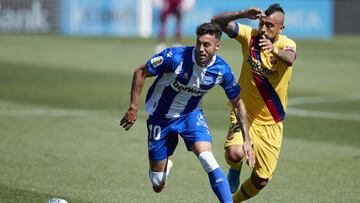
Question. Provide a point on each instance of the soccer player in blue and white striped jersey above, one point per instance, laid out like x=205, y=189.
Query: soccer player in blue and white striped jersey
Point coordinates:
x=183, y=76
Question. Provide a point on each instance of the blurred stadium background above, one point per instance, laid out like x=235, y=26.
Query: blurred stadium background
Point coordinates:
x=65, y=74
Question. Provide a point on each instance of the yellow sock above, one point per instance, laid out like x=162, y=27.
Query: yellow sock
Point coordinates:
x=234, y=165
x=246, y=191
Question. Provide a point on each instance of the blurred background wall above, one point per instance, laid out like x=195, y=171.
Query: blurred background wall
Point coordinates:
x=347, y=16
x=132, y=18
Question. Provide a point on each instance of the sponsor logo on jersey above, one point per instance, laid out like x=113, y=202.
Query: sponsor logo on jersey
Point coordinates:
x=184, y=75
x=183, y=88
x=157, y=61
x=256, y=67
x=219, y=180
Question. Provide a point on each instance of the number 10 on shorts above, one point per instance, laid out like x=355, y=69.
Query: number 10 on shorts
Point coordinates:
x=154, y=132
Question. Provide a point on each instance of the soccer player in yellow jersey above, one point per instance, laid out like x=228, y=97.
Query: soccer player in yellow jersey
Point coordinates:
x=268, y=58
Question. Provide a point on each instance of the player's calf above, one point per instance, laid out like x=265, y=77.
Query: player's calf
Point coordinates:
x=258, y=182
x=250, y=188
x=233, y=156
x=218, y=181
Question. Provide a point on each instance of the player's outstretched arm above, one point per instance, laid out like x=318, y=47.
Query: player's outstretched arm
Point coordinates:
x=225, y=20
x=241, y=116
x=137, y=85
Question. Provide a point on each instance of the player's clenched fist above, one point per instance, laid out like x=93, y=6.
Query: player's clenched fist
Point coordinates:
x=254, y=13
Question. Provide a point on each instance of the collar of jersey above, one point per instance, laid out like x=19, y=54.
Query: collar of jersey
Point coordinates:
x=210, y=64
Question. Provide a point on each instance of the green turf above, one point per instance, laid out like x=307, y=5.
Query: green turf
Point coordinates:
x=61, y=99
x=341, y=107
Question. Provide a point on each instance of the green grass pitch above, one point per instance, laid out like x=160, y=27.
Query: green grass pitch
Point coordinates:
x=61, y=99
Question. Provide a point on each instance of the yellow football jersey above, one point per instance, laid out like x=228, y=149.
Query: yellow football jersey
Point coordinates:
x=264, y=79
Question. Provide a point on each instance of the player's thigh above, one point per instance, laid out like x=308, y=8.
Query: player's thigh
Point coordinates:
x=234, y=136
x=193, y=128
x=162, y=141
x=266, y=145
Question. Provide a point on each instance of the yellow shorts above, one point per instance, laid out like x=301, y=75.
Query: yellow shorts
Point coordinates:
x=266, y=141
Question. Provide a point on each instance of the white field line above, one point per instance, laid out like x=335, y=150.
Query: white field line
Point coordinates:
x=321, y=114
x=301, y=113
x=323, y=99
x=291, y=110
x=46, y=111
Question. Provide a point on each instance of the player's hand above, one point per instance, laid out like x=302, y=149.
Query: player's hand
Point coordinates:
x=254, y=13
x=128, y=119
x=266, y=44
x=249, y=154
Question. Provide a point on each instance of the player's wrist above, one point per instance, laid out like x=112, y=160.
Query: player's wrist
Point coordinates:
x=247, y=141
x=133, y=107
x=241, y=14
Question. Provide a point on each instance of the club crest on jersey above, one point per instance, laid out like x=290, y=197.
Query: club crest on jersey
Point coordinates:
x=273, y=60
x=207, y=80
x=157, y=61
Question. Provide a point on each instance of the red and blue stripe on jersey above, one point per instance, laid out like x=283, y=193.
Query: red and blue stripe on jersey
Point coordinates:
x=265, y=88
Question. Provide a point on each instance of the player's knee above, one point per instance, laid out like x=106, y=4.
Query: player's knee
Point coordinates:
x=234, y=154
x=208, y=161
x=157, y=178
x=258, y=182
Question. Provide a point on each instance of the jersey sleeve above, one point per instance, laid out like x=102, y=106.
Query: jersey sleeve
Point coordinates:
x=243, y=33
x=288, y=45
x=230, y=85
x=160, y=63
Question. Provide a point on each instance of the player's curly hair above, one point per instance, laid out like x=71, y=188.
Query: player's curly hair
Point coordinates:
x=209, y=28
x=273, y=8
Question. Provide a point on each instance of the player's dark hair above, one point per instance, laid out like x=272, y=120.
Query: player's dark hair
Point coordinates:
x=209, y=28
x=274, y=8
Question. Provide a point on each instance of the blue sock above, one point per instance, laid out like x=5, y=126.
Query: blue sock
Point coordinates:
x=220, y=185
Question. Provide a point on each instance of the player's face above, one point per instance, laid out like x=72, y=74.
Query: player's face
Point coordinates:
x=206, y=46
x=271, y=26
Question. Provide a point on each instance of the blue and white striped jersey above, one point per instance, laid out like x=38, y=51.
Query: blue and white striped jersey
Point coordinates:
x=180, y=83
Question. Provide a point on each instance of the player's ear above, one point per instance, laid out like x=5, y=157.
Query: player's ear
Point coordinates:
x=281, y=28
x=217, y=46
